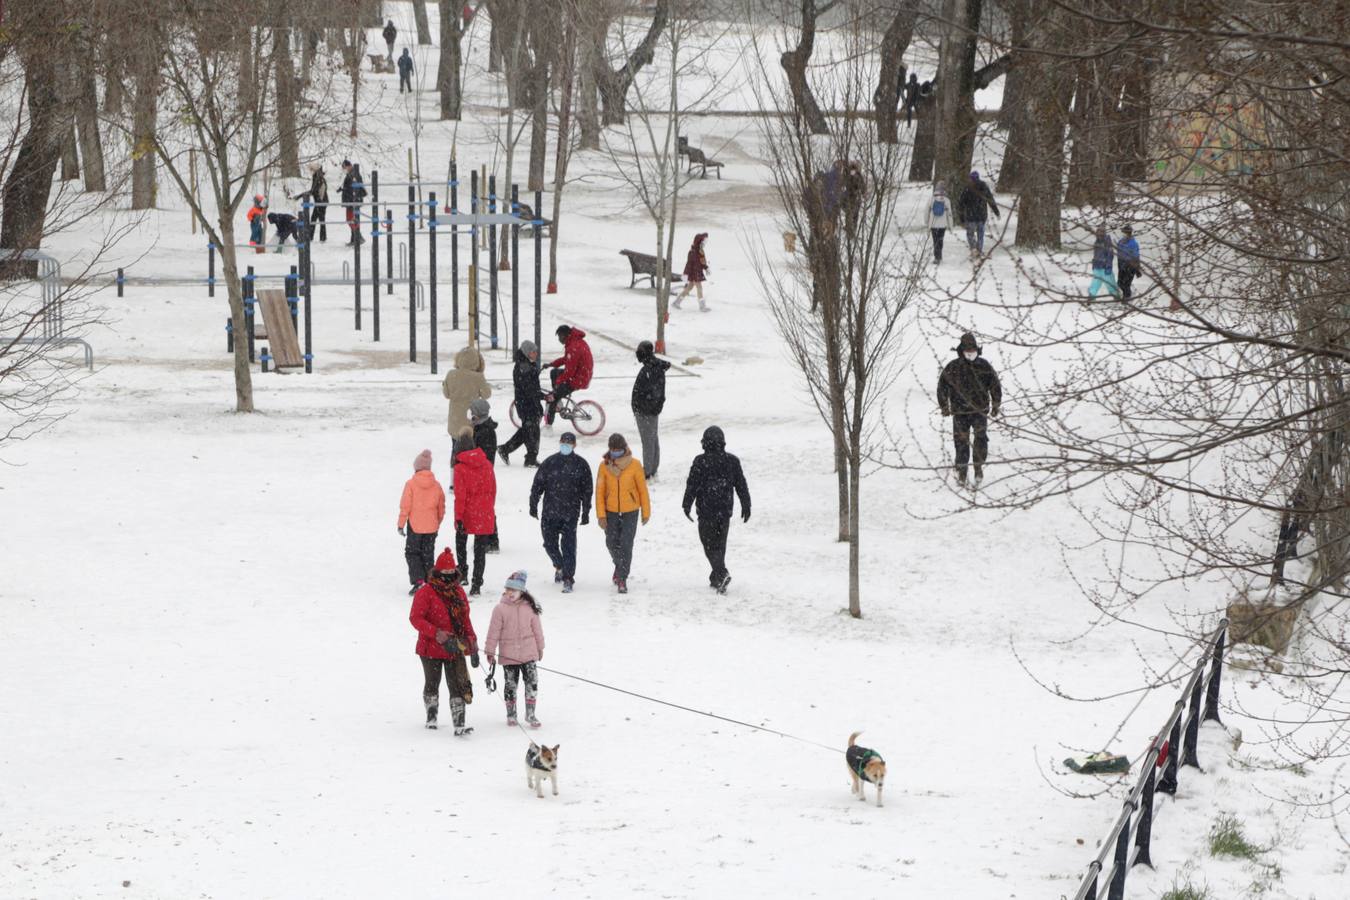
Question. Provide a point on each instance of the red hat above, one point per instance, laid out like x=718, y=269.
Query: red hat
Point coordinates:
x=446, y=561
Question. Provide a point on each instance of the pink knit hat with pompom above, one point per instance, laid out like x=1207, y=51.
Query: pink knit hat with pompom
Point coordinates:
x=423, y=461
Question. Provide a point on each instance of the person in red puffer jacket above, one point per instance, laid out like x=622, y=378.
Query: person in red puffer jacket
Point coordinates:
x=475, y=507
x=440, y=613
x=572, y=371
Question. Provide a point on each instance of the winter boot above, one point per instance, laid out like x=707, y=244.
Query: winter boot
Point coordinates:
x=457, y=716
x=723, y=584
x=979, y=477
x=961, y=475
x=567, y=585
x=511, y=715
x=678, y=300
x=476, y=589
x=622, y=584
x=529, y=714
x=703, y=307
x=430, y=703
x=557, y=575
x=412, y=590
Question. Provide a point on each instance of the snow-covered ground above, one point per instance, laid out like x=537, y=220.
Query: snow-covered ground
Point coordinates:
x=209, y=686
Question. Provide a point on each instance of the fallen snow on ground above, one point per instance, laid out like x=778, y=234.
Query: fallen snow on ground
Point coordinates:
x=210, y=687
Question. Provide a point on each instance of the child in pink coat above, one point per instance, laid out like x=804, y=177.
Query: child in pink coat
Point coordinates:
x=516, y=636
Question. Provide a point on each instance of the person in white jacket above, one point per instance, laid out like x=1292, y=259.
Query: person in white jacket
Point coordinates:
x=516, y=637
x=939, y=219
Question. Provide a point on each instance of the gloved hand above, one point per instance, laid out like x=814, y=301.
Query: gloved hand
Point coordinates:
x=585, y=518
x=400, y=531
x=687, y=516
x=946, y=412
x=473, y=660
x=534, y=513
x=442, y=636
x=745, y=515
x=492, y=660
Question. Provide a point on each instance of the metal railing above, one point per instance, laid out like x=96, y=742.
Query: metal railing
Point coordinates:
x=1127, y=843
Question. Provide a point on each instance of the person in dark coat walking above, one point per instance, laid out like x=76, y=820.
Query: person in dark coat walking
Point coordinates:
x=390, y=35
x=974, y=204
x=405, y=70
x=564, y=482
x=649, y=398
x=1127, y=262
x=529, y=405
x=714, y=478
x=969, y=392
x=910, y=93
x=353, y=191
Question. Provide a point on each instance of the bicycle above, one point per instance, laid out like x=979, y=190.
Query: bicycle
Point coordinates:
x=586, y=416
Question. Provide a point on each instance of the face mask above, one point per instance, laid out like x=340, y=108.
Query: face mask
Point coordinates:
x=565, y=449
x=970, y=355
x=615, y=454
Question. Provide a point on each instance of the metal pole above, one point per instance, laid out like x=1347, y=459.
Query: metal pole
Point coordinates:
x=454, y=249
x=473, y=259
x=121, y=279
x=412, y=270
x=389, y=250
x=1168, y=784
x=1190, y=758
x=492, y=260
x=248, y=310
x=538, y=270
x=309, y=305
x=356, y=263
x=1212, y=693
x=515, y=269
x=375, y=254
x=1144, y=830
x=293, y=299
x=210, y=268
x=1116, y=890
x=431, y=263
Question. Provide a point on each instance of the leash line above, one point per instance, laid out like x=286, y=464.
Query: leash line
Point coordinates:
x=697, y=712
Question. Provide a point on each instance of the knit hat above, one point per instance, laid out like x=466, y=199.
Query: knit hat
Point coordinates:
x=974, y=176
x=967, y=342
x=568, y=438
x=446, y=561
x=617, y=442
x=517, y=581
x=422, y=462
x=1126, y=229
x=940, y=188
x=479, y=409
x=528, y=347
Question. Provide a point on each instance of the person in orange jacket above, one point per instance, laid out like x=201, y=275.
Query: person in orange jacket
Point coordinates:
x=620, y=499
x=257, y=223
x=420, y=513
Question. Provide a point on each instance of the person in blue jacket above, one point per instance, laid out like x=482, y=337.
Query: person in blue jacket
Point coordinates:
x=1127, y=261
x=1103, y=256
x=405, y=70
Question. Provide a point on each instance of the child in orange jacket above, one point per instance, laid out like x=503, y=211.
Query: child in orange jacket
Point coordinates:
x=257, y=223
x=420, y=511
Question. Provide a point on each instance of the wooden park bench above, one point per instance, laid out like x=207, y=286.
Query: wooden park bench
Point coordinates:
x=682, y=146
x=285, y=344
x=644, y=266
x=380, y=64
x=698, y=158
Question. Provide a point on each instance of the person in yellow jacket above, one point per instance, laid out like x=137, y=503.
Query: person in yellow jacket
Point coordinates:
x=620, y=501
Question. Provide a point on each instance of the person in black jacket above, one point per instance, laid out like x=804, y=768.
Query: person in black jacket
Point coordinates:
x=353, y=191
x=314, y=205
x=529, y=405
x=649, y=398
x=390, y=35
x=564, y=481
x=974, y=204
x=713, y=479
x=405, y=70
x=968, y=391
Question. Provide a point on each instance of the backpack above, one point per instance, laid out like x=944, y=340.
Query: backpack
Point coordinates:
x=939, y=207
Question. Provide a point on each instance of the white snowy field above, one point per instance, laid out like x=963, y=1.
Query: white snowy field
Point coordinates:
x=209, y=682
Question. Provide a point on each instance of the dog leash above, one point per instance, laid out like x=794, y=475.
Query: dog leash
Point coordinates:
x=698, y=712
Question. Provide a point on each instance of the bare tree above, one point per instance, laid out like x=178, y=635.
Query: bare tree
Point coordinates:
x=448, y=81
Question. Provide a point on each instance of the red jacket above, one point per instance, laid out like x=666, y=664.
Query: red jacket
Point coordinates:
x=576, y=362
x=475, y=493
x=431, y=613
x=696, y=264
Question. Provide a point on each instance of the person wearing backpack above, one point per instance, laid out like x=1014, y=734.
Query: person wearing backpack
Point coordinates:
x=939, y=219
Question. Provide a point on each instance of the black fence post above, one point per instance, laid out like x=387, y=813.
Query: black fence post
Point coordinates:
x=307, y=266
x=538, y=270
x=492, y=259
x=356, y=263
x=375, y=255
x=210, y=268
x=1116, y=890
x=121, y=279
x=1144, y=831
x=1190, y=758
x=229, y=334
x=1168, y=784
x=293, y=298
x=431, y=265
x=412, y=275
x=1212, y=692
x=515, y=268
x=248, y=312
x=454, y=248
x=473, y=256
x=389, y=250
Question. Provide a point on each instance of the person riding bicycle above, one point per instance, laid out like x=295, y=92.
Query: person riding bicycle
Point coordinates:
x=572, y=371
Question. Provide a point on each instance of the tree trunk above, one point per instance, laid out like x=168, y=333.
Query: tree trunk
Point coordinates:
x=794, y=63
x=143, y=187
x=70, y=155
x=285, y=75
x=30, y=179
x=855, y=533
x=954, y=141
x=496, y=48
x=114, y=90
x=1049, y=84
x=1012, y=115
x=308, y=51
x=614, y=84
x=86, y=123
x=588, y=112
x=423, y=26
x=447, y=73
x=539, y=125
x=563, y=152
x=248, y=77
x=925, y=136
x=243, y=375
x=894, y=43
x=1131, y=151
x=1090, y=178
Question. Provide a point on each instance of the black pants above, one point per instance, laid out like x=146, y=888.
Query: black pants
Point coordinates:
x=1125, y=278
x=405, y=80
x=513, y=675
x=420, y=552
x=560, y=543
x=458, y=687
x=620, y=532
x=713, y=534
x=558, y=393
x=480, y=548
x=319, y=216
x=527, y=434
x=963, y=424
x=938, y=235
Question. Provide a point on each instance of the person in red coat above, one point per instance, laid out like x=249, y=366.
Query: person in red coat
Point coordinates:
x=475, y=507
x=572, y=371
x=440, y=613
x=695, y=271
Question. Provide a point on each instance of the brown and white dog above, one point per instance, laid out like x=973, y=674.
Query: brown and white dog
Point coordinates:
x=864, y=765
x=541, y=763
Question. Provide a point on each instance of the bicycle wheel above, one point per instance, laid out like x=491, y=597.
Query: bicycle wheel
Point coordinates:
x=588, y=418
x=515, y=418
